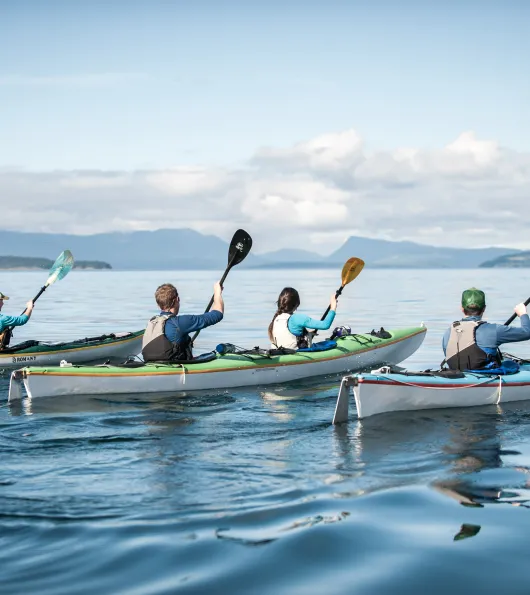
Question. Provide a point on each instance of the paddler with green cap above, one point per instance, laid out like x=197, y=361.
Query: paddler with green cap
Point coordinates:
x=6, y=322
x=472, y=343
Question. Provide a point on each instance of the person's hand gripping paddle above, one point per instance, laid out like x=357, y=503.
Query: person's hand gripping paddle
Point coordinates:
x=61, y=267
x=239, y=248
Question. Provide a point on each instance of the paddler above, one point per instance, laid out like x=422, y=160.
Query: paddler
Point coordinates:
x=472, y=343
x=7, y=322
x=290, y=329
x=167, y=336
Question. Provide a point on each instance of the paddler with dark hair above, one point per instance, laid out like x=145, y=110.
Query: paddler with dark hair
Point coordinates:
x=473, y=343
x=167, y=336
x=289, y=329
x=7, y=322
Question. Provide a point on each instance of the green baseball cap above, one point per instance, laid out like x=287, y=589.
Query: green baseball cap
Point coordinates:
x=473, y=298
x=3, y=297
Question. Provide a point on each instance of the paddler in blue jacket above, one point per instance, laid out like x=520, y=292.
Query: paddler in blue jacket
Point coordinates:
x=289, y=329
x=472, y=343
x=9, y=321
x=167, y=336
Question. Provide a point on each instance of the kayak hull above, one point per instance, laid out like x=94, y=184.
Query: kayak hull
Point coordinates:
x=117, y=346
x=378, y=392
x=228, y=371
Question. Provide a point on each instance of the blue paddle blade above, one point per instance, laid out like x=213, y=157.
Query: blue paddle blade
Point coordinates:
x=61, y=267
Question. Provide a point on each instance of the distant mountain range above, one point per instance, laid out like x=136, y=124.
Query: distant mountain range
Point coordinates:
x=173, y=249
x=517, y=260
x=26, y=262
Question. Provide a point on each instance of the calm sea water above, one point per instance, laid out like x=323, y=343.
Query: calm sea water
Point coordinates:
x=253, y=490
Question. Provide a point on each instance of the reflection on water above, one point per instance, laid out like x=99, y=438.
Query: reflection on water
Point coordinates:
x=467, y=530
x=253, y=490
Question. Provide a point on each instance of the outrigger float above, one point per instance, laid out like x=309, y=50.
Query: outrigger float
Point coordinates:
x=352, y=352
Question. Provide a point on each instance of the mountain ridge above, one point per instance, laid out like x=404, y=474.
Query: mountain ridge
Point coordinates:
x=173, y=249
x=511, y=260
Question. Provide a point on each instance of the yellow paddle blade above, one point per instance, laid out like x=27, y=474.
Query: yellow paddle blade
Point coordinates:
x=351, y=269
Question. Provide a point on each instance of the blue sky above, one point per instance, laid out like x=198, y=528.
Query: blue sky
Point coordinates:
x=153, y=84
x=303, y=122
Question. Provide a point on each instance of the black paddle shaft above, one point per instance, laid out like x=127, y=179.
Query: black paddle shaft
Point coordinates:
x=337, y=293
x=210, y=303
x=230, y=264
x=239, y=248
x=41, y=291
x=514, y=316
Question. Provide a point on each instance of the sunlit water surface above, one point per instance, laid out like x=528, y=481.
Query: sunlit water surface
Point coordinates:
x=253, y=490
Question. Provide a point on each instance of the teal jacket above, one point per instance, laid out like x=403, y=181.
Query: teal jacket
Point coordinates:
x=7, y=321
x=298, y=322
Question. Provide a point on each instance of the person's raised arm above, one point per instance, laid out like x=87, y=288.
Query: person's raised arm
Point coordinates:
x=333, y=302
x=29, y=309
x=218, y=303
x=511, y=334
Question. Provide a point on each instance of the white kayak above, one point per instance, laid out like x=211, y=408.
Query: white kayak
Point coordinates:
x=383, y=391
x=115, y=346
x=353, y=352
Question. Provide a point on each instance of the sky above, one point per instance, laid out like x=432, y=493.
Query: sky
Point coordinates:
x=303, y=122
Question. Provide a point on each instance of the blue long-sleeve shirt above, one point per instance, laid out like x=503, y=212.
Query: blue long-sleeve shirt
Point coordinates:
x=491, y=336
x=7, y=321
x=178, y=327
x=298, y=322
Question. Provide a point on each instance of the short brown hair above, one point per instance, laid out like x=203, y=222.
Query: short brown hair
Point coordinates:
x=166, y=295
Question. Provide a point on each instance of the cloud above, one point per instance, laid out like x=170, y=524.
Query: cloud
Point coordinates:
x=326, y=153
x=471, y=192
x=185, y=181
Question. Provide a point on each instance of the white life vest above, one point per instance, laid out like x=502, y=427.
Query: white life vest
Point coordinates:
x=282, y=336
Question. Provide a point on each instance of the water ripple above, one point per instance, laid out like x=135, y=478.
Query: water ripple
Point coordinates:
x=252, y=490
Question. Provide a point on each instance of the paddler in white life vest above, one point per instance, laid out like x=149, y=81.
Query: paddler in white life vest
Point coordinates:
x=166, y=337
x=472, y=343
x=6, y=322
x=289, y=329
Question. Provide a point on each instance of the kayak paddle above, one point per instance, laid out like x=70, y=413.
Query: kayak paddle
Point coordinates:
x=514, y=316
x=60, y=268
x=239, y=248
x=351, y=269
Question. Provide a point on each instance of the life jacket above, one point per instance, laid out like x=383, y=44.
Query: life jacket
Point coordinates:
x=282, y=336
x=462, y=352
x=156, y=347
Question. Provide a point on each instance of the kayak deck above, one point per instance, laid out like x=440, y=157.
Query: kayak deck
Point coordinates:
x=353, y=352
x=32, y=347
x=90, y=349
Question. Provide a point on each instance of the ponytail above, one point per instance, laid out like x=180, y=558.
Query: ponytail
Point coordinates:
x=288, y=301
x=271, y=325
